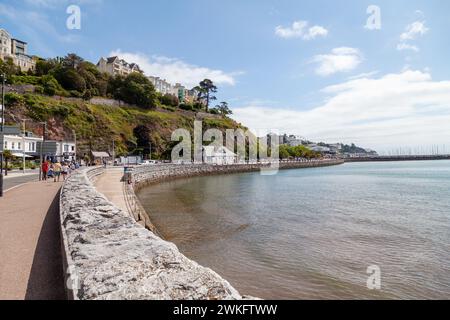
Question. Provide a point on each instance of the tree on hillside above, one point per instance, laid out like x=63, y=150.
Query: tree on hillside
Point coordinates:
x=134, y=89
x=223, y=108
x=8, y=68
x=142, y=134
x=169, y=100
x=70, y=79
x=72, y=61
x=205, y=90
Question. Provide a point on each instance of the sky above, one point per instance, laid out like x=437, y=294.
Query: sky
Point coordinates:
x=375, y=73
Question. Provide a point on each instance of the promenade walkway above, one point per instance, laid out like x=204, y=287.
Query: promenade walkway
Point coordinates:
x=110, y=184
x=30, y=244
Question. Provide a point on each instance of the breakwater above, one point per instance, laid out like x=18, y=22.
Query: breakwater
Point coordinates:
x=398, y=158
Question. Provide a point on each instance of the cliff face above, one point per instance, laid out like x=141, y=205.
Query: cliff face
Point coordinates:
x=97, y=124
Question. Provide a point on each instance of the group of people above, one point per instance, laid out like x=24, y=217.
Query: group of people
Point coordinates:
x=54, y=170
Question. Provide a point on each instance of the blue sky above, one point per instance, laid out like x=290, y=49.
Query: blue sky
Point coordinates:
x=282, y=65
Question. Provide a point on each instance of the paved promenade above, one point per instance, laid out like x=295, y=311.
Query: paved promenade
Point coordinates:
x=30, y=248
x=111, y=185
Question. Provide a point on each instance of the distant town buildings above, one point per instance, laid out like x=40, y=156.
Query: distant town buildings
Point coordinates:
x=161, y=85
x=117, y=67
x=16, y=50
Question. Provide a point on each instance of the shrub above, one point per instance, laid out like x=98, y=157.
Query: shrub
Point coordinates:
x=169, y=100
x=39, y=89
x=186, y=106
x=25, y=80
x=13, y=98
x=50, y=85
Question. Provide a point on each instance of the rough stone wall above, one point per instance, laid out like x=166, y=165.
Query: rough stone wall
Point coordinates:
x=110, y=256
x=146, y=175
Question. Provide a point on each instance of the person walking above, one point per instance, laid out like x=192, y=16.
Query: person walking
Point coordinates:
x=45, y=168
x=57, y=171
x=64, y=170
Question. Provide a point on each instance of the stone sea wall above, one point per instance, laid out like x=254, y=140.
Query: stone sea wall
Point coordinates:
x=145, y=175
x=108, y=255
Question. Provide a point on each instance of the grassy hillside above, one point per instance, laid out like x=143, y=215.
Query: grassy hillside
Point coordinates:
x=96, y=126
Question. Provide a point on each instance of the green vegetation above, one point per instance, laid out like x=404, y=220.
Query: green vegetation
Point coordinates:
x=72, y=76
x=205, y=90
x=133, y=129
x=287, y=152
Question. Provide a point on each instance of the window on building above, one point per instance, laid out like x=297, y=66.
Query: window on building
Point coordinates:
x=19, y=146
x=13, y=145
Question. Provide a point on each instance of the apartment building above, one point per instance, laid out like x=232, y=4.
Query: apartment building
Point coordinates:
x=162, y=86
x=16, y=50
x=116, y=66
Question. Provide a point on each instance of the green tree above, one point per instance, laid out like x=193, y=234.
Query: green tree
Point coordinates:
x=72, y=61
x=7, y=156
x=134, y=89
x=223, y=109
x=8, y=68
x=284, y=152
x=205, y=90
x=143, y=140
x=169, y=100
x=70, y=79
x=51, y=85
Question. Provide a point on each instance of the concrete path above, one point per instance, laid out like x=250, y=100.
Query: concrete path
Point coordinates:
x=111, y=186
x=30, y=244
x=14, y=181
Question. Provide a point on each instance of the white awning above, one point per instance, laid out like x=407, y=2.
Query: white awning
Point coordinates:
x=21, y=155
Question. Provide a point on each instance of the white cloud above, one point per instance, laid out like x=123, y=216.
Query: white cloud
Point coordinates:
x=175, y=70
x=414, y=30
x=405, y=46
x=342, y=59
x=299, y=29
x=403, y=109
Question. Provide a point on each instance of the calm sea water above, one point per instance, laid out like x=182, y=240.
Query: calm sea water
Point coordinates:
x=312, y=233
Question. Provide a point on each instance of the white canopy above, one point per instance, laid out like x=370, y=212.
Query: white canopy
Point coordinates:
x=21, y=155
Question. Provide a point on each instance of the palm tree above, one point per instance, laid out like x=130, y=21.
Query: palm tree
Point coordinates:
x=205, y=90
x=7, y=155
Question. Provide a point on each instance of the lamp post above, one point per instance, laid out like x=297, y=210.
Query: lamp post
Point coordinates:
x=2, y=131
x=23, y=144
x=41, y=152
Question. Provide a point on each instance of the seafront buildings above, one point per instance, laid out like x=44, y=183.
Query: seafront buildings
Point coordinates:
x=115, y=66
x=16, y=50
x=29, y=146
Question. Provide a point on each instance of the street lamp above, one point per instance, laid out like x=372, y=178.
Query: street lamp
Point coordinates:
x=2, y=130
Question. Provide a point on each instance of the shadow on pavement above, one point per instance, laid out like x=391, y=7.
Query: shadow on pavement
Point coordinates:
x=46, y=280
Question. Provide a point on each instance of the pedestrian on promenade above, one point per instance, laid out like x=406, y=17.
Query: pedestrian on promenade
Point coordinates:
x=50, y=171
x=64, y=170
x=45, y=167
x=57, y=171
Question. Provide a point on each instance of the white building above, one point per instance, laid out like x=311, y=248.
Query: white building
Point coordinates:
x=162, y=86
x=19, y=145
x=66, y=150
x=116, y=66
x=16, y=50
x=218, y=155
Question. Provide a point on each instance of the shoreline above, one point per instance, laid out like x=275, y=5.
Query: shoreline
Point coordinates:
x=147, y=175
x=109, y=254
